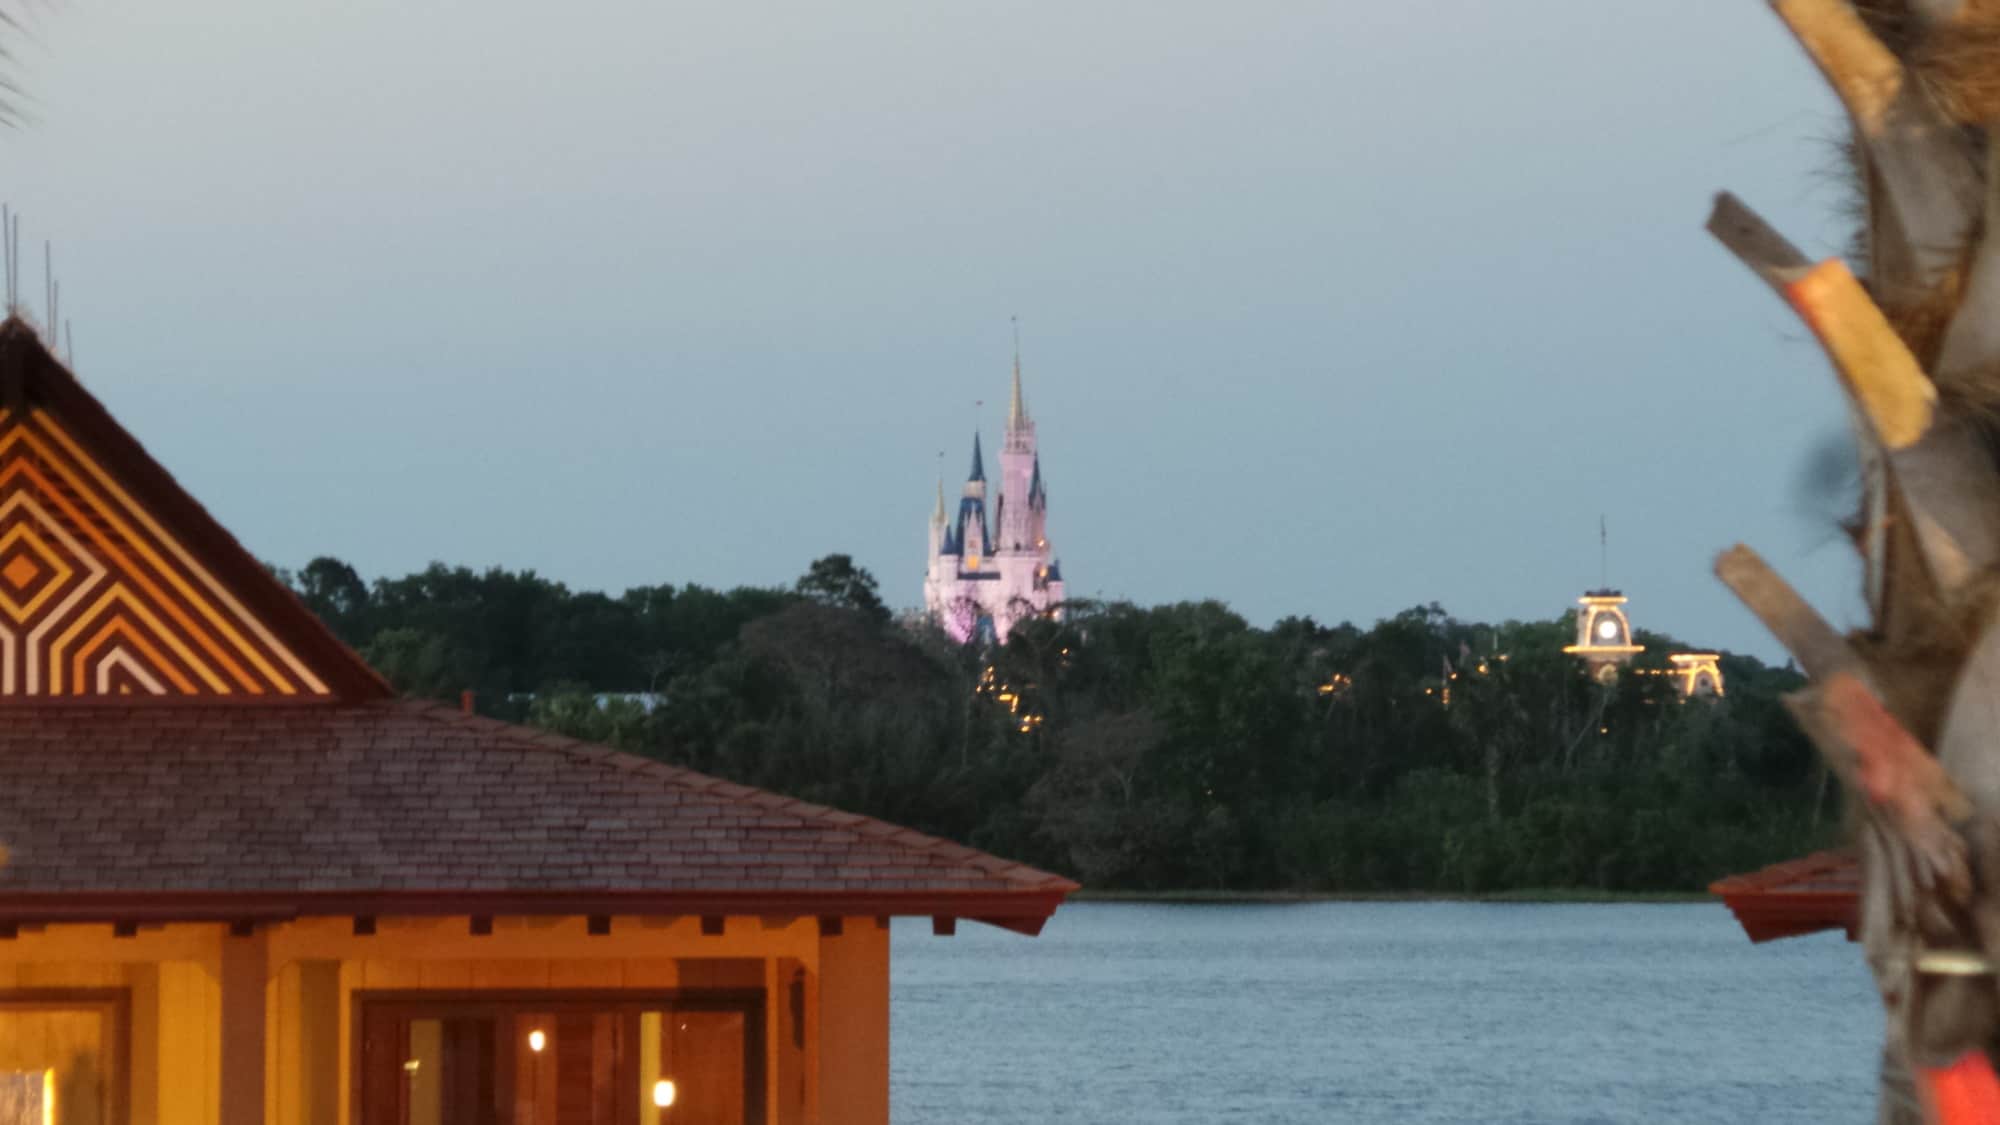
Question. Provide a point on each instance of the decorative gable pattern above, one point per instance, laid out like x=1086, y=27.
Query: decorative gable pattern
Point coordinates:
x=114, y=582
x=96, y=598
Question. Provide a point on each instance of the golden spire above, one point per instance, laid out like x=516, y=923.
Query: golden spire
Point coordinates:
x=937, y=515
x=1017, y=411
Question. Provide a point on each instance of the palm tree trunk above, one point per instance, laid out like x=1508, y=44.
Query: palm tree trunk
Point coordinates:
x=1913, y=335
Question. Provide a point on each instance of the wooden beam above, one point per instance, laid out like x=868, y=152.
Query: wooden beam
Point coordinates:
x=1940, y=470
x=1875, y=367
x=1780, y=265
x=1923, y=161
x=829, y=925
x=1907, y=792
x=364, y=925
x=944, y=925
x=1972, y=341
x=1818, y=648
x=124, y=929
x=712, y=925
x=598, y=925
x=1951, y=494
x=481, y=925
x=1971, y=727
x=242, y=929
x=1756, y=243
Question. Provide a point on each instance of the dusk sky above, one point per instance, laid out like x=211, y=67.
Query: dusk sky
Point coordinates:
x=1326, y=308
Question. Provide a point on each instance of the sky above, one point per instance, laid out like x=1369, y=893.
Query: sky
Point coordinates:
x=1326, y=308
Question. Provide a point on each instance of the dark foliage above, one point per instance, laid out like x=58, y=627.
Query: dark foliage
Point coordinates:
x=1171, y=747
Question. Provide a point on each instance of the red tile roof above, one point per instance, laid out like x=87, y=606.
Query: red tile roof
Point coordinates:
x=129, y=812
x=1821, y=891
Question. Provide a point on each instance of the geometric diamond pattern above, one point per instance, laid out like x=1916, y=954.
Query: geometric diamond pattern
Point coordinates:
x=33, y=570
x=19, y=571
x=97, y=598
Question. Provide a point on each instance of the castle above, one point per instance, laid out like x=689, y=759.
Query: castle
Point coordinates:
x=980, y=583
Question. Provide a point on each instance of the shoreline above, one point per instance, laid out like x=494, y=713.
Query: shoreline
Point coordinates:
x=1546, y=895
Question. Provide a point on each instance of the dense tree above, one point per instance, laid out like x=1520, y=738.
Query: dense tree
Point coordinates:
x=834, y=580
x=1175, y=746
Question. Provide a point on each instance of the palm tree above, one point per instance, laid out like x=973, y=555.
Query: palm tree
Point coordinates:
x=1907, y=711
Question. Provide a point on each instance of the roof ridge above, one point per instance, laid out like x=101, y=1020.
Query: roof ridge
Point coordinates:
x=824, y=815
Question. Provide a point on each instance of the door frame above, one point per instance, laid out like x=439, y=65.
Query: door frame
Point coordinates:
x=115, y=1006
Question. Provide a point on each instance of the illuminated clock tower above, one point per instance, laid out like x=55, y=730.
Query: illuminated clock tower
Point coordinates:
x=1603, y=635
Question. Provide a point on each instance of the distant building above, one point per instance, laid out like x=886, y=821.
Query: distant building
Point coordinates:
x=1700, y=674
x=1603, y=634
x=1604, y=641
x=986, y=575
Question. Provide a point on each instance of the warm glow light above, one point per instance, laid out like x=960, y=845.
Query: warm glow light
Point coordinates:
x=536, y=1040
x=1607, y=629
x=413, y=1065
x=663, y=1093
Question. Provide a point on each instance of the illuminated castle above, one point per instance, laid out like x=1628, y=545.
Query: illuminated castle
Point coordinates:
x=985, y=576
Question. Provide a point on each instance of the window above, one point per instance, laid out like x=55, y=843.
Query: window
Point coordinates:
x=561, y=1058
x=62, y=1057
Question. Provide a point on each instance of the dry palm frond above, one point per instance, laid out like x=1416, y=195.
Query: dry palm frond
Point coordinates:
x=1916, y=345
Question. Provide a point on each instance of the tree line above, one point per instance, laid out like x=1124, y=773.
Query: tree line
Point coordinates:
x=1169, y=747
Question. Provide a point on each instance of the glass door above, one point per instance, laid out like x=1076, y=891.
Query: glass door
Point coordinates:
x=561, y=1059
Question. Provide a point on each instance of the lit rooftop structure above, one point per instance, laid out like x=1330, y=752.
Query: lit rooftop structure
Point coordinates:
x=1700, y=674
x=1603, y=634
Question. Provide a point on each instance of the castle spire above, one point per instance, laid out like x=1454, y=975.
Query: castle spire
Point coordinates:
x=937, y=514
x=1017, y=411
x=978, y=462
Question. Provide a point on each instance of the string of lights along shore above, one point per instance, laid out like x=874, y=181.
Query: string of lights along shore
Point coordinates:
x=984, y=577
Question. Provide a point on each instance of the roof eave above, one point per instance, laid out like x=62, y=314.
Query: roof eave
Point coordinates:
x=1023, y=910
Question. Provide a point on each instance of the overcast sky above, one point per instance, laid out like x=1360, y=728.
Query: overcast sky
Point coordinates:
x=1327, y=308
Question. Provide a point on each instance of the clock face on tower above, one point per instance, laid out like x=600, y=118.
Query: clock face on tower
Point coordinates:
x=1607, y=630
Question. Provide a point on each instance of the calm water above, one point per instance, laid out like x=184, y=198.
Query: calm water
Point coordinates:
x=1401, y=1013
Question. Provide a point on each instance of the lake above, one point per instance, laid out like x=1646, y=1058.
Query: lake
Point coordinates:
x=1405, y=1013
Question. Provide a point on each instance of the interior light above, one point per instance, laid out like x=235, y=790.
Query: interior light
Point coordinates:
x=536, y=1040
x=412, y=1065
x=663, y=1093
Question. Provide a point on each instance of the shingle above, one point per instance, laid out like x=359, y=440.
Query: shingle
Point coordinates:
x=375, y=795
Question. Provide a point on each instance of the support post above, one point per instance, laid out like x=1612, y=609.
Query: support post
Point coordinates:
x=244, y=976
x=852, y=1048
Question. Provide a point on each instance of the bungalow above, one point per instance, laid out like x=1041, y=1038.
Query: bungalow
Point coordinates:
x=246, y=883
